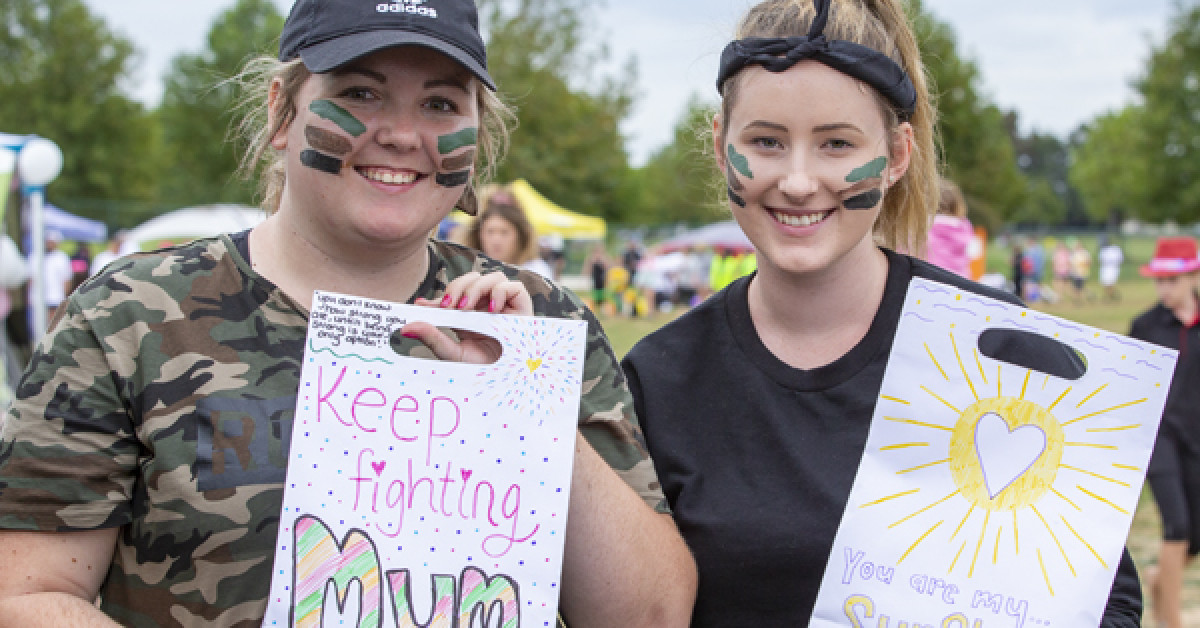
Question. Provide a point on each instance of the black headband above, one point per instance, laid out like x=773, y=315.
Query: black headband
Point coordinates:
x=865, y=64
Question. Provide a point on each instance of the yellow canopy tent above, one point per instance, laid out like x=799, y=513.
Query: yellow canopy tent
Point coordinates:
x=546, y=216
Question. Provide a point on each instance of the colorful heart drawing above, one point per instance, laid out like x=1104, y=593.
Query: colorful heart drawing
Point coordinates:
x=1005, y=455
x=465, y=473
x=533, y=364
x=378, y=466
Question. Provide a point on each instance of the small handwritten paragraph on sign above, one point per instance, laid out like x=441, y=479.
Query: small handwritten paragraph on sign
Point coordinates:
x=426, y=493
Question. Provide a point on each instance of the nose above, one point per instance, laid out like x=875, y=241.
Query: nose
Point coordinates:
x=398, y=129
x=798, y=183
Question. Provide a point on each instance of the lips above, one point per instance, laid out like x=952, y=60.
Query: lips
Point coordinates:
x=800, y=220
x=388, y=175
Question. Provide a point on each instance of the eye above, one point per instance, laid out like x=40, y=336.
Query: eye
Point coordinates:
x=839, y=144
x=356, y=93
x=767, y=142
x=444, y=105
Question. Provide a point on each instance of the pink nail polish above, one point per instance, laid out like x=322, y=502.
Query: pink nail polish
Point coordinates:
x=409, y=334
x=446, y=300
x=463, y=303
x=491, y=306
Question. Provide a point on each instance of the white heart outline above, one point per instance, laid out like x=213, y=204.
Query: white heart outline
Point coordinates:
x=1007, y=453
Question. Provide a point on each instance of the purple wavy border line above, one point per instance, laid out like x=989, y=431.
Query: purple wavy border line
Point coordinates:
x=1143, y=362
x=928, y=287
x=961, y=310
x=1021, y=325
x=927, y=320
x=1119, y=374
x=984, y=303
x=1085, y=341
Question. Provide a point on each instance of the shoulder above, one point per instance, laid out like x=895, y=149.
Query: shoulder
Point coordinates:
x=167, y=273
x=924, y=270
x=693, y=330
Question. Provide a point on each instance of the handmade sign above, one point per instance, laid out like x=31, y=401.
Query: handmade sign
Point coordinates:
x=1001, y=472
x=426, y=493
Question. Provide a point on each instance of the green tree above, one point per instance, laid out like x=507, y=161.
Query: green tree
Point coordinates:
x=976, y=147
x=1109, y=167
x=1169, y=122
x=61, y=71
x=199, y=107
x=681, y=180
x=568, y=143
x=1050, y=198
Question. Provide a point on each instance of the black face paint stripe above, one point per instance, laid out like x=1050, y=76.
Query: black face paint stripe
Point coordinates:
x=734, y=183
x=318, y=161
x=866, y=200
x=453, y=179
x=733, y=196
x=327, y=141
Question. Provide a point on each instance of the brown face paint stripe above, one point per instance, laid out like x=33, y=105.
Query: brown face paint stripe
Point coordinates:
x=459, y=162
x=335, y=114
x=871, y=170
x=318, y=161
x=454, y=141
x=327, y=141
x=866, y=200
x=453, y=179
x=733, y=196
x=734, y=183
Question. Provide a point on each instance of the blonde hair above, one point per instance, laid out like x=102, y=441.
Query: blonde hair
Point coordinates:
x=903, y=222
x=950, y=200
x=256, y=128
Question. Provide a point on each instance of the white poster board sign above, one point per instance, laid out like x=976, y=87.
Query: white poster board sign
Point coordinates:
x=426, y=493
x=990, y=494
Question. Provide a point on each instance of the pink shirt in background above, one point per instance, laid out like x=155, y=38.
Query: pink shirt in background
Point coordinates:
x=949, y=237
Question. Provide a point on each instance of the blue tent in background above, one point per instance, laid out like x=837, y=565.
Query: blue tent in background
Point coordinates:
x=72, y=227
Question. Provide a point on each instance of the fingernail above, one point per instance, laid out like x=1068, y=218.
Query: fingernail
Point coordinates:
x=409, y=334
x=446, y=300
x=491, y=306
x=463, y=303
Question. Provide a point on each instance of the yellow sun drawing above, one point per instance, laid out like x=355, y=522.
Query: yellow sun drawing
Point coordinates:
x=1024, y=462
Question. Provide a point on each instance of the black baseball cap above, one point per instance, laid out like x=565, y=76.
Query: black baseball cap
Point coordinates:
x=327, y=34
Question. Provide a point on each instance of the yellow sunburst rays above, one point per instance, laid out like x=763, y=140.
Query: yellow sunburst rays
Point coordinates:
x=1026, y=491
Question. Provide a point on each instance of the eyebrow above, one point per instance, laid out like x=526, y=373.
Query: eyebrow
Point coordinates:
x=836, y=126
x=455, y=82
x=774, y=126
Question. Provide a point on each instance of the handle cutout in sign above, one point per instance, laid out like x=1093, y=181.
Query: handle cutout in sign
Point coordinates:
x=489, y=345
x=1033, y=351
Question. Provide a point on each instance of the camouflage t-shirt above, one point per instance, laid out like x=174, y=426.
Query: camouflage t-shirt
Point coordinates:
x=161, y=401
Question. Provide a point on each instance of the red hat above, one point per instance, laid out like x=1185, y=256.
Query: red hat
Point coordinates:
x=1172, y=256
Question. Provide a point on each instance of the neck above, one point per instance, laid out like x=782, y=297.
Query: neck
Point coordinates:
x=811, y=319
x=298, y=264
x=1187, y=310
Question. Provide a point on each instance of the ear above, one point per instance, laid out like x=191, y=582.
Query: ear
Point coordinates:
x=901, y=152
x=718, y=150
x=279, y=140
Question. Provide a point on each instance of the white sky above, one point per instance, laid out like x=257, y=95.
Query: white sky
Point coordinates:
x=1058, y=63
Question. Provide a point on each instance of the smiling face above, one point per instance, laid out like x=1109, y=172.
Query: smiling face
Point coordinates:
x=379, y=150
x=808, y=158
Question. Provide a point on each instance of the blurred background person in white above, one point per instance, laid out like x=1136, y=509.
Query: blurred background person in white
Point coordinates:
x=14, y=272
x=1110, y=257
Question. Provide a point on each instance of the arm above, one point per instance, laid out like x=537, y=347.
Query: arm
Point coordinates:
x=625, y=565
x=52, y=578
x=1124, y=609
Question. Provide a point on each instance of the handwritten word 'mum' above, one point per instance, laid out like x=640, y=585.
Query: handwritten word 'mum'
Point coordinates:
x=324, y=567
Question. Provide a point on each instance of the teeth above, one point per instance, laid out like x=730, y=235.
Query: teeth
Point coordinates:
x=800, y=221
x=385, y=176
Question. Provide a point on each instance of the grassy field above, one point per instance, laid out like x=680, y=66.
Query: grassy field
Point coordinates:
x=1136, y=294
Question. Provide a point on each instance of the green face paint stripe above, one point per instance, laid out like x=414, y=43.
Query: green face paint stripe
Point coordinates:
x=453, y=179
x=738, y=161
x=319, y=161
x=330, y=111
x=454, y=141
x=327, y=141
x=866, y=200
x=871, y=170
x=458, y=162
